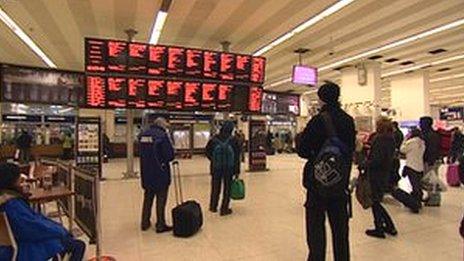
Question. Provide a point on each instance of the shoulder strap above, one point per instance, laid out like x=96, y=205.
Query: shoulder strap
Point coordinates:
x=328, y=123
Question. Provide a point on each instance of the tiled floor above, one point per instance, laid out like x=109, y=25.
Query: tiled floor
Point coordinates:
x=269, y=223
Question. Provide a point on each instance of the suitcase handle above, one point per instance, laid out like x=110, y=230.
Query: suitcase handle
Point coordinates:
x=177, y=182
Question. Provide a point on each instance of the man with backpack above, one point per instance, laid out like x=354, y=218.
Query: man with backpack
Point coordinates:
x=328, y=143
x=223, y=151
x=156, y=152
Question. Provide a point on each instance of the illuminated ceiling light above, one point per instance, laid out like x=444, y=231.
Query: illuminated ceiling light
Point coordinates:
x=451, y=77
x=438, y=90
x=158, y=26
x=305, y=25
x=420, y=66
x=386, y=47
x=6, y=19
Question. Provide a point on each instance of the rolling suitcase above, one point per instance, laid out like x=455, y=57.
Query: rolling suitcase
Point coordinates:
x=187, y=217
x=406, y=199
x=452, y=175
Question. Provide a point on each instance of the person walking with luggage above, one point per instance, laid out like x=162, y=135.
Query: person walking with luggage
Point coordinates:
x=414, y=149
x=223, y=151
x=156, y=152
x=379, y=165
x=334, y=129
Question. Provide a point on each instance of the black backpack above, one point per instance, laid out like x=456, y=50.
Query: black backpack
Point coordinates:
x=331, y=167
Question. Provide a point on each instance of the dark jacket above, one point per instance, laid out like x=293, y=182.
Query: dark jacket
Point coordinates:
x=432, y=146
x=315, y=134
x=457, y=146
x=233, y=141
x=399, y=138
x=24, y=141
x=380, y=163
x=38, y=237
x=156, y=151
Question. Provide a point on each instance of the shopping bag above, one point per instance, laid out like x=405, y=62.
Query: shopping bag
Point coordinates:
x=237, y=189
x=364, y=192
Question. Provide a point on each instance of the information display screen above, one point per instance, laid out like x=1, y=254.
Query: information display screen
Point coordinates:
x=136, y=91
x=116, y=93
x=174, y=94
x=95, y=58
x=257, y=69
x=208, y=96
x=227, y=66
x=192, y=95
x=243, y=67
x=157, y=60
x=255, y=98
x=176, y=60
x=194, y=63
x=117, y=56
x=211, y=64
x=96, y=91
x=156, y=95
x=137, y=61
x=240, y=96
x=224, y=97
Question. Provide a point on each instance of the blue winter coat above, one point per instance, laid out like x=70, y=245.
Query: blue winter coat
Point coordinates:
x=156, y=151
x=37, y=237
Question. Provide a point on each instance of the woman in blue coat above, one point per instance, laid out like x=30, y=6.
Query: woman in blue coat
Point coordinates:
x=37, y=237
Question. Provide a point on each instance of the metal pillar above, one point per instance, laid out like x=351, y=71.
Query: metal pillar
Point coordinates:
x=130, y=173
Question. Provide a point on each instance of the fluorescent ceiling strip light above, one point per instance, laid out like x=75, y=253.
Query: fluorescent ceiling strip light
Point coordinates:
x=438, y=90
x=158, y=26
x=451, y=77
x=446, y=96
x=305, y=25
x=420, y=66
x=10, y=23
x=386, y=47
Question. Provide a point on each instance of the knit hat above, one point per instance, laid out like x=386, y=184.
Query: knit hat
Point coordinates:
x=329, y=92
x=9, y=174
x=227, y=128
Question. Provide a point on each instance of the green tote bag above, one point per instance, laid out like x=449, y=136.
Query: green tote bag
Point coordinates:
x=237, y=189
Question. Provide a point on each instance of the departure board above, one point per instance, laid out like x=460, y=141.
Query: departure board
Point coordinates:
x=174, y=94
x=208, y=96
x=137, y=61
x=117, y=56
x=192, y=96
x=136, y=90
x=156, y=95
x=122, y=74
x=96, y=91
x=224, y=97
x=116, y=93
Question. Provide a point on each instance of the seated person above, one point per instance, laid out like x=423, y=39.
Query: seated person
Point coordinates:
x=37, y=237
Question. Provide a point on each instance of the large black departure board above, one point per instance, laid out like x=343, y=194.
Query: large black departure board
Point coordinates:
x=121, y=74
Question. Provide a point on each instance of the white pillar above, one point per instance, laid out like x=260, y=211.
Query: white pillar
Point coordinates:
x=361, y=91
x=410, y=95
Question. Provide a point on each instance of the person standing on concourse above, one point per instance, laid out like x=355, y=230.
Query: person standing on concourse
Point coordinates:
x=311, y=142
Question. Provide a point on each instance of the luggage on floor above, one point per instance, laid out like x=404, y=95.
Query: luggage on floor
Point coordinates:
x=237, y=189
x=452, y=175
x=187, y=217
x=434, y=199
x=406, y=199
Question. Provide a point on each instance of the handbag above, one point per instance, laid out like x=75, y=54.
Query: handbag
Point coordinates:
x=364, y=191
x=237, y=189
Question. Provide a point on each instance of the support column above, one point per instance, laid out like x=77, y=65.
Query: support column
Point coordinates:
x=410, y=96
x=360, y=93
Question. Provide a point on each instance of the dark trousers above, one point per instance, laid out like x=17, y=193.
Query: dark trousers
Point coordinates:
x=161, y=199
x=382, y=219
x=315, y=229
x=74, y=247
x=216, y=181
x=415, y=180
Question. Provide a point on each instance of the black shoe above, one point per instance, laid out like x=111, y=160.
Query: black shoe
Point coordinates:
x=163, y=229
x=213, y=210
x=375, y=233
x=226, y=212
x=391, y=231
x=145, y=226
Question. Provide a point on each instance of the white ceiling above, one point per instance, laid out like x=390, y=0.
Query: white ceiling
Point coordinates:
x=59, y=28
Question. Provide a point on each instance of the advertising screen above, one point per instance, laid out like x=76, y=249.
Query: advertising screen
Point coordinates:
x=304, y=75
